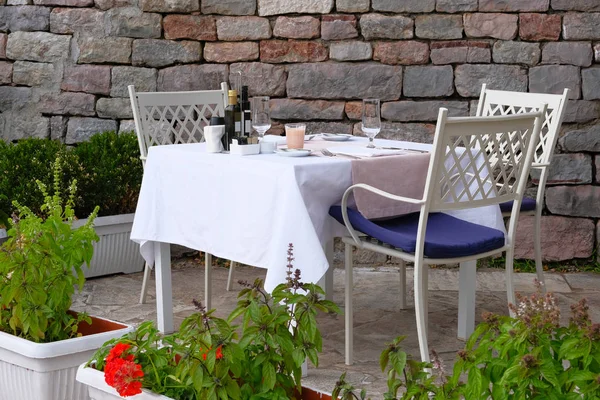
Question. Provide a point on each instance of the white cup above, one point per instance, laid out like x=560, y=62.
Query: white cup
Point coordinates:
x=267, y=147
x=212, y=136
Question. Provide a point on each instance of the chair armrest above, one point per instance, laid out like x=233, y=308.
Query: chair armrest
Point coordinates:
x=372, y=189
x=383, y=193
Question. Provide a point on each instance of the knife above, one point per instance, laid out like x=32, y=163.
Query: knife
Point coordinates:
x=401, y=148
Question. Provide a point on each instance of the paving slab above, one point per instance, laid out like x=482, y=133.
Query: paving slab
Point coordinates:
x=586, y=281
x=377, y=317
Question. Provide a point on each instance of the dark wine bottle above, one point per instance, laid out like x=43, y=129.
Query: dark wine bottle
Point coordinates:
x=231, y=112
x=246, y=113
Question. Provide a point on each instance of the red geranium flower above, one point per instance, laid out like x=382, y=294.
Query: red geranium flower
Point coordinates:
x=110, y=369
x=125, y=376
x=117, y=352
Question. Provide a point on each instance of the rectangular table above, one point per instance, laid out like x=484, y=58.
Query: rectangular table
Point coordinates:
x=247, y=209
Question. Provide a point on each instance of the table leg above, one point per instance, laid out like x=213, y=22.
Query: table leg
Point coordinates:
x=164, y=291
x=207, y=280
x=466, y=299
x=329, y=273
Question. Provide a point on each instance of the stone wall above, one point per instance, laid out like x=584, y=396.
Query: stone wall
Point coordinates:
x=65, y=66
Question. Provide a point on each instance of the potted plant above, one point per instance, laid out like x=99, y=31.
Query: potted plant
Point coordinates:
x=110, y=172
x=210, y=358
x=529, y=356
x=41, y=341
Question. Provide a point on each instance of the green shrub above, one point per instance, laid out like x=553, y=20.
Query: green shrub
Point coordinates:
x=109, y=173
x=108, y=170
x=23, y=163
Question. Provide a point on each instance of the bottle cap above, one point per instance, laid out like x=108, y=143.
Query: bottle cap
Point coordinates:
x=232, y=93
x=217, y=121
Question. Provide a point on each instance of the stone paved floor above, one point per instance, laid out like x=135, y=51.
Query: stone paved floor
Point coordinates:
x=377, y=317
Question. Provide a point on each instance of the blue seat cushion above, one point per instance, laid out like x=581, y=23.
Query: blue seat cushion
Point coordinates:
x=445, y=237
x=528, y=204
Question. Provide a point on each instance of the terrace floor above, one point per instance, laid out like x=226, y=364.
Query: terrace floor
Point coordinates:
x=377, y=318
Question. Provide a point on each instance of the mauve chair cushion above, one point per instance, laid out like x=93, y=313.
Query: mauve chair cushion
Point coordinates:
x=528, y=204
x=446, y=236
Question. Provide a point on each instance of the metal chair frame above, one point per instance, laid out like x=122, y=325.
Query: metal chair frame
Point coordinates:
x=499, y=102
x=165, y=118
x=503, y=144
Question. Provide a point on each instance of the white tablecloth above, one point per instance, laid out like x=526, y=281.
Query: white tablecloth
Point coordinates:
x=248, y=209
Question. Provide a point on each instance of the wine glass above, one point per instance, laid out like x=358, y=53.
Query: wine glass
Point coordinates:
x=371, y=119
x=261, y=115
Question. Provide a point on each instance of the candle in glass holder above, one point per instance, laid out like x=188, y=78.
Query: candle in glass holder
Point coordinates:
x=295, y=135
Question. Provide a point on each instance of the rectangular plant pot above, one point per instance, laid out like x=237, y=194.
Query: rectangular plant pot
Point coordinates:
x=115, y=252
x=99, y=389
x=46, y=371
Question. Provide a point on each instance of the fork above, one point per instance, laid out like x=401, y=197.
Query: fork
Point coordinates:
x=327, y=153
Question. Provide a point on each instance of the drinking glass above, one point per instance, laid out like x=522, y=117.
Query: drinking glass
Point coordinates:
x=294, y=135
x=371, y=119
x=261, y=115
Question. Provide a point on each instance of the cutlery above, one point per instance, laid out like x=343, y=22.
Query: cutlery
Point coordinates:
x=402, y=148
x=327, y=153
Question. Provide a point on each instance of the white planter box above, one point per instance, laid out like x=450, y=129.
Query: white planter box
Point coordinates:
x=99, y=390
x=46, y=371
x=115, y=252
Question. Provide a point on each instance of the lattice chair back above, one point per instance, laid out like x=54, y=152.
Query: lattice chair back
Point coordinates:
x=163, y=118
x=479, y=161
x=499, y=102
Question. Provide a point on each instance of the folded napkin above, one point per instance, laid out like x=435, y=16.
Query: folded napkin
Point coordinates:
x=365, y=152
x=403, y=175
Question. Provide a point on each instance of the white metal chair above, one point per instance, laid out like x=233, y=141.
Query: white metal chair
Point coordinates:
x=465, y=152
x=498, y=102
x=164, y=118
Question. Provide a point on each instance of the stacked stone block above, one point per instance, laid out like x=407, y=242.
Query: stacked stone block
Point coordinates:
x=65, y=66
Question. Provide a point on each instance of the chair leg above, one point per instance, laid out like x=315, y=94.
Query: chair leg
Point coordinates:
x=208, y=281
x=537, y=246
x=402, y=285
x=230, y=277
x=466, y=299
x=348, y=306
x=144, y=293
x=425, y=295
x=510, y=290
x=420, y=310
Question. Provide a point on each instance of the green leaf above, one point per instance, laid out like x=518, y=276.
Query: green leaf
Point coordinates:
x=198, y=374
x=548, y=372
x=233, y=389
x=475, y=384
x=578, y=376
x=398, y=360
x=268, y=374
x=567, y=347
x=384, y=359
x=511, y=375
